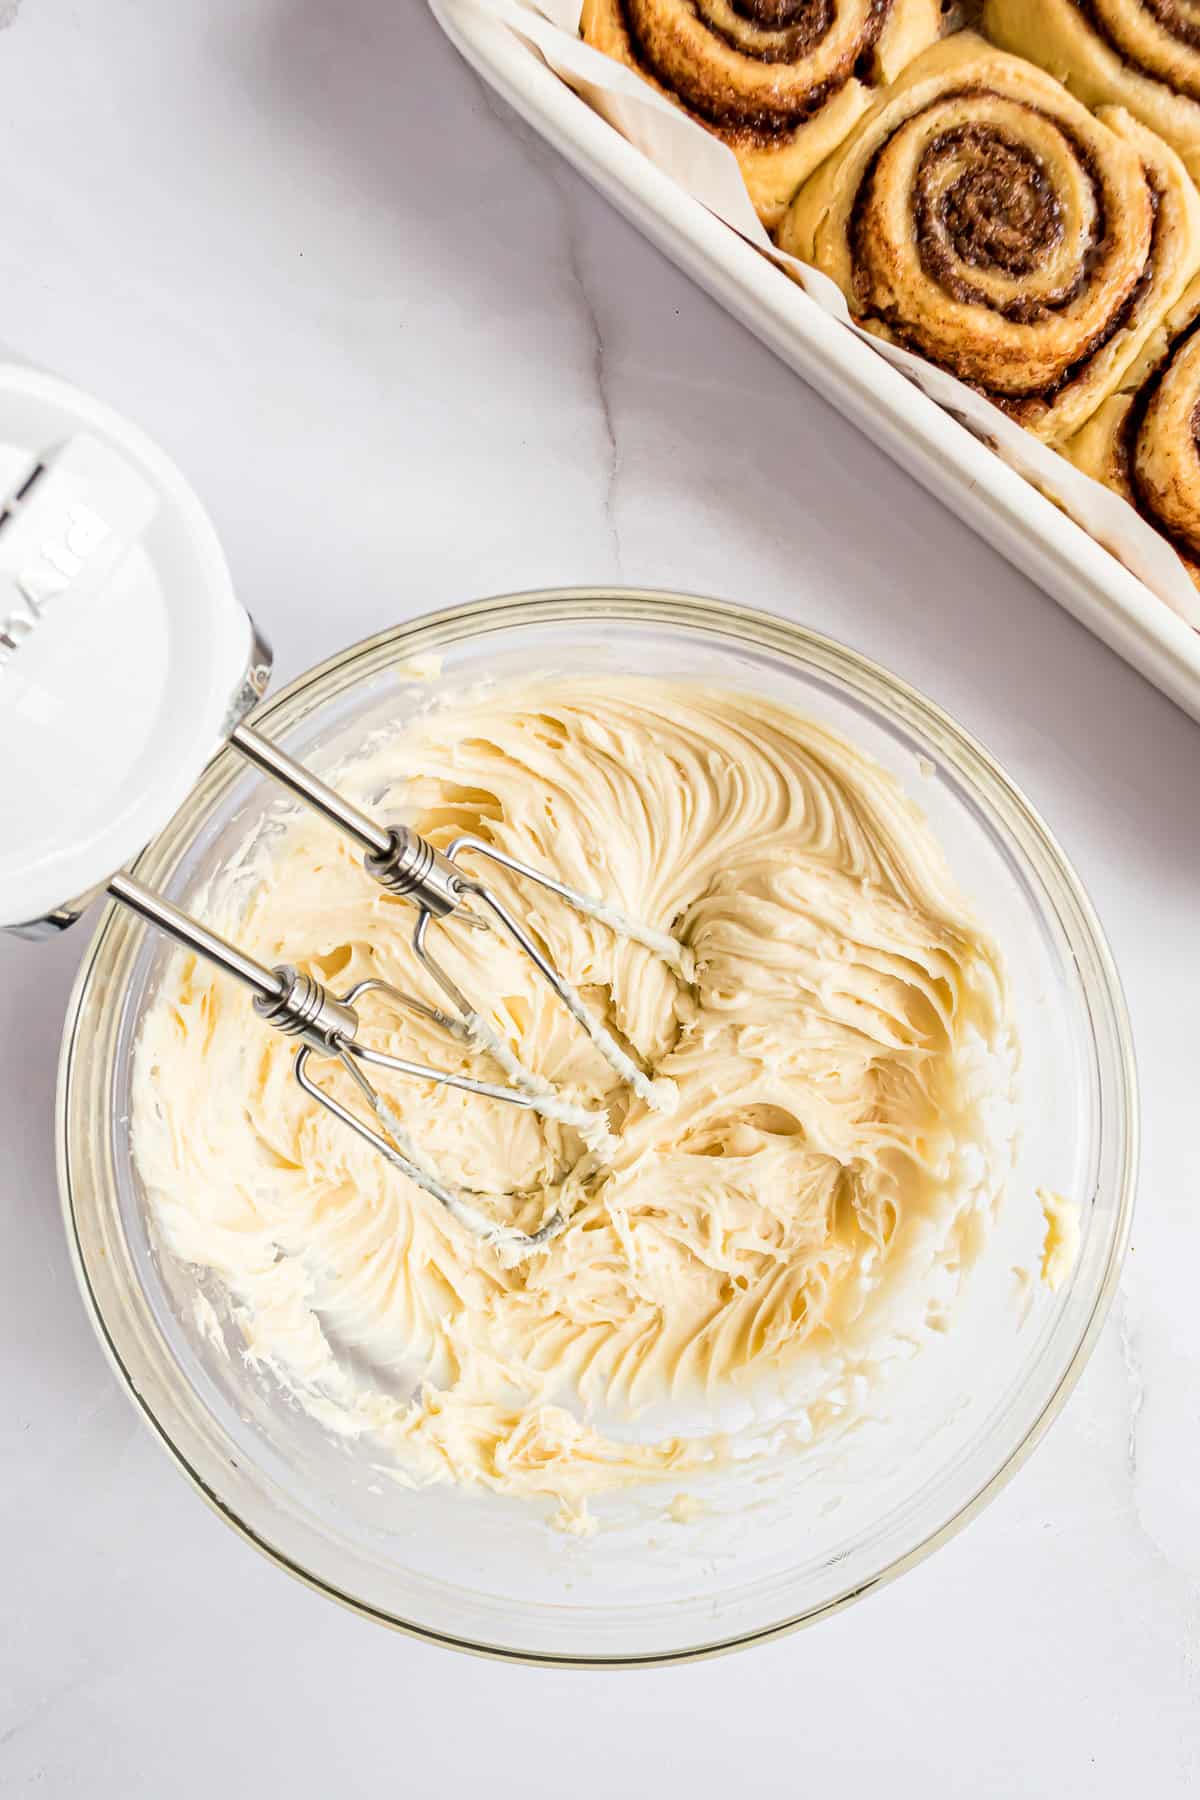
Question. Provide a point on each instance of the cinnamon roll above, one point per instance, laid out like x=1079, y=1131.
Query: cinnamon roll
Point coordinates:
x=982, y=218
x=1140, y=54
x=780, y=81
x=1144, y=442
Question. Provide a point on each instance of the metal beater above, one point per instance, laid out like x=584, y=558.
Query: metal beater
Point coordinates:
x=109, y=565
x=327, y=1025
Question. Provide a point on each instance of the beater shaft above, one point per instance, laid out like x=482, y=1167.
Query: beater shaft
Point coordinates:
x=264, y=983
x=371, y=838
x=298, y=1005
x=400, y=860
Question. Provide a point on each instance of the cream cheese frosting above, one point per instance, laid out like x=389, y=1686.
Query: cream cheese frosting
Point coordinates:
x=834, y=1041
x=1060, y=1247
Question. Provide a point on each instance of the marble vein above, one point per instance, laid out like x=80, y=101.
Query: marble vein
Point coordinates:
x=587, y=307
x=559, y=179
x=1136, y=1381
x=1182, y=1583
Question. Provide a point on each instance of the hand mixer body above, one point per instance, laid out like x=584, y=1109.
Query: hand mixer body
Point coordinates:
x=102, y=544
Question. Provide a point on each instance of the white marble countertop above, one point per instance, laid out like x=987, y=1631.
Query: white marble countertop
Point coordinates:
x=409, y=359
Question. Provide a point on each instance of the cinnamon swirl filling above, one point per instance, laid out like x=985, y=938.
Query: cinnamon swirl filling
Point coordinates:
x=781, y=81
x=983, y=219
x=1158, y=38
x=1159, y=446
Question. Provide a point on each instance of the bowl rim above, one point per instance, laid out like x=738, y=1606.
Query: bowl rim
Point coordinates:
x=760, y=629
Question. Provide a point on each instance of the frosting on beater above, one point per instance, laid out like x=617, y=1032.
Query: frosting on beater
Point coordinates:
x=836, y=1038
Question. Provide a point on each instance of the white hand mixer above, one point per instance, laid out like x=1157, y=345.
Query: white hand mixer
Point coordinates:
x=106, y=557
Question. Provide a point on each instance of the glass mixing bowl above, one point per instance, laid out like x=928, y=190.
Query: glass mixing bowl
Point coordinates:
x=490, y=1574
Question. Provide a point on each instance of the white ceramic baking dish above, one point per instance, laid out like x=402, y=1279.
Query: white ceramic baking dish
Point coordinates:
x=997, y=502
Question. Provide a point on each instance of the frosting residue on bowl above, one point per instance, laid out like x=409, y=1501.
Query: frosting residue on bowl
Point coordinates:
x=837, y=1042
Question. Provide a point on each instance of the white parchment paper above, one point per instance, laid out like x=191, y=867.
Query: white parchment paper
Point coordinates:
x=708, y=170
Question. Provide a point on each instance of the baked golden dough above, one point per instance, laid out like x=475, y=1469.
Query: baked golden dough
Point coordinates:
x=782, y=82
x=981, y=217
x=1142, y=441
x=1143, y=56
